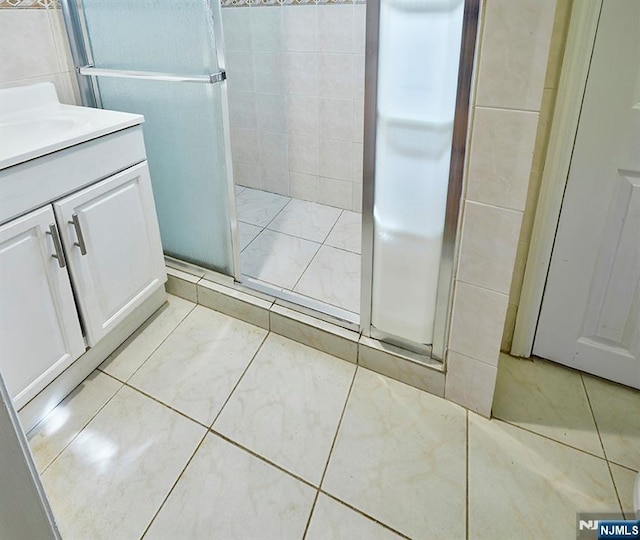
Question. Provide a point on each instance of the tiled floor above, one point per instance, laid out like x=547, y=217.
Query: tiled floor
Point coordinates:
x=304, y=247
x=202, y=426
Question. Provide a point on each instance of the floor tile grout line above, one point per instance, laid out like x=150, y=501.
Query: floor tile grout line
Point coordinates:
x=549, y=438
x=311, y=510
x=362, y=513
x=155, y=349
x=262, y=458
x=235, y=386
x=85, y=425
x=604, y=451
x=333, y=442
x=166, y=498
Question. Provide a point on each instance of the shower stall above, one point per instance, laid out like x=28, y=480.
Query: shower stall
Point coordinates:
x=308, y=149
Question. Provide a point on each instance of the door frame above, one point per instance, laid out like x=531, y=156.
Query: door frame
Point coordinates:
x=581, y=37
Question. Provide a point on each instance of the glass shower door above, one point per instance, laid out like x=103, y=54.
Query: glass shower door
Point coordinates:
x=160, y=58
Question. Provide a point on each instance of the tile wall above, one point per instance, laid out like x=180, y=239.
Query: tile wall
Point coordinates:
x=296, y=98
x=513, y=52
x=34, y=47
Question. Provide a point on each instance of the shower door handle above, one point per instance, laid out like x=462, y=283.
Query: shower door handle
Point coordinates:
x=211, y=78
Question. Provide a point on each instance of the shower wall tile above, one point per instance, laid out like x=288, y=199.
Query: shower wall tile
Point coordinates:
x=356, y=203
x=304, y=154
x=268, y=71
x=240, y=71
x=302, y=115
x=274, y=150
x=359, y=28
x=247, y=174
x=470, y=383
x=275, y=180
x=358, y=121
x=336, y=118
x=487, y=258
x=244, y=145
x=271, y=112
x=501, y=153
x=335, y=28
x=514, y=55
x=237, y=29
x=336, y=75
x=301, y=73
x=304, y=186
x=336, y=192
x=266, y=28
x=242, y=110
x=335, y=159
x=477, y=322
x=300, y=29
x=357, y=157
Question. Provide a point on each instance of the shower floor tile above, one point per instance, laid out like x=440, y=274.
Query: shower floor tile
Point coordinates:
x=303, y=247
x=310, y=446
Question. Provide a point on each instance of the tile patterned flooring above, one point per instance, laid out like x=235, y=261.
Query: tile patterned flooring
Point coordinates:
x=203, y=426
x=305, y=247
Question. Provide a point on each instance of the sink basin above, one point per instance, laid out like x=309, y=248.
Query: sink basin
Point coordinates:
x=34, y=123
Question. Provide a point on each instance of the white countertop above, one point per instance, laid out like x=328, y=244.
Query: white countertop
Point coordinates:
x=34, y=123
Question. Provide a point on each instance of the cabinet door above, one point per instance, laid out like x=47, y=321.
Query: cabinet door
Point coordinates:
x=110, y=233
x=40, y=332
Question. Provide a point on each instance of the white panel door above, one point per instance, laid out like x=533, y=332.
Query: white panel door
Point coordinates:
x=40, y=332
x=110, y=233
x=590, y=317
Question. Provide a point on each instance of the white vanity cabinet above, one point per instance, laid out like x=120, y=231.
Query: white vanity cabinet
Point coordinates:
x=110, y=235
x=40, y=333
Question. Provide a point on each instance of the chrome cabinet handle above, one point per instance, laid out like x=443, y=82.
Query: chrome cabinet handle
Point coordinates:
x=57, y=246
x=80, y=243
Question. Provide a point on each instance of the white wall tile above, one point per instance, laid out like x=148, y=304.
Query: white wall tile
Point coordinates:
x=358, y=121
x=488, y=247
x=304, y=186
x=335, y=28
x=236, y=24
x=501, y=153
x=304, y=154
x=335, y=117
x=477, y=322
x=301, y=73
x=336, y=75
x=244, y=145
x=246, y=174
x=302, y=115
x=336, y=193
x=275, y=180
x=270, y=110
x=240, y=71
x=300, y=25
x=242, y=110
x=358, y=77
x=359, y=28
x=268, y=71
x=356, y=204
x=27, y=44
x=274, y=150
x=266, y=28
x=470, y=383
x=357, y=151
x=335, y=159
x=60, y=39
x=515, y=48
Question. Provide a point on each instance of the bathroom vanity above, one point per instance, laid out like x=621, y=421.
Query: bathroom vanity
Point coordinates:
x=81, y=263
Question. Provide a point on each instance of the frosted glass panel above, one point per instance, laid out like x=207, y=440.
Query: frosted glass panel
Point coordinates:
x=152, y=35
x=183, y=126
x=418, y=60
x=185, y=148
